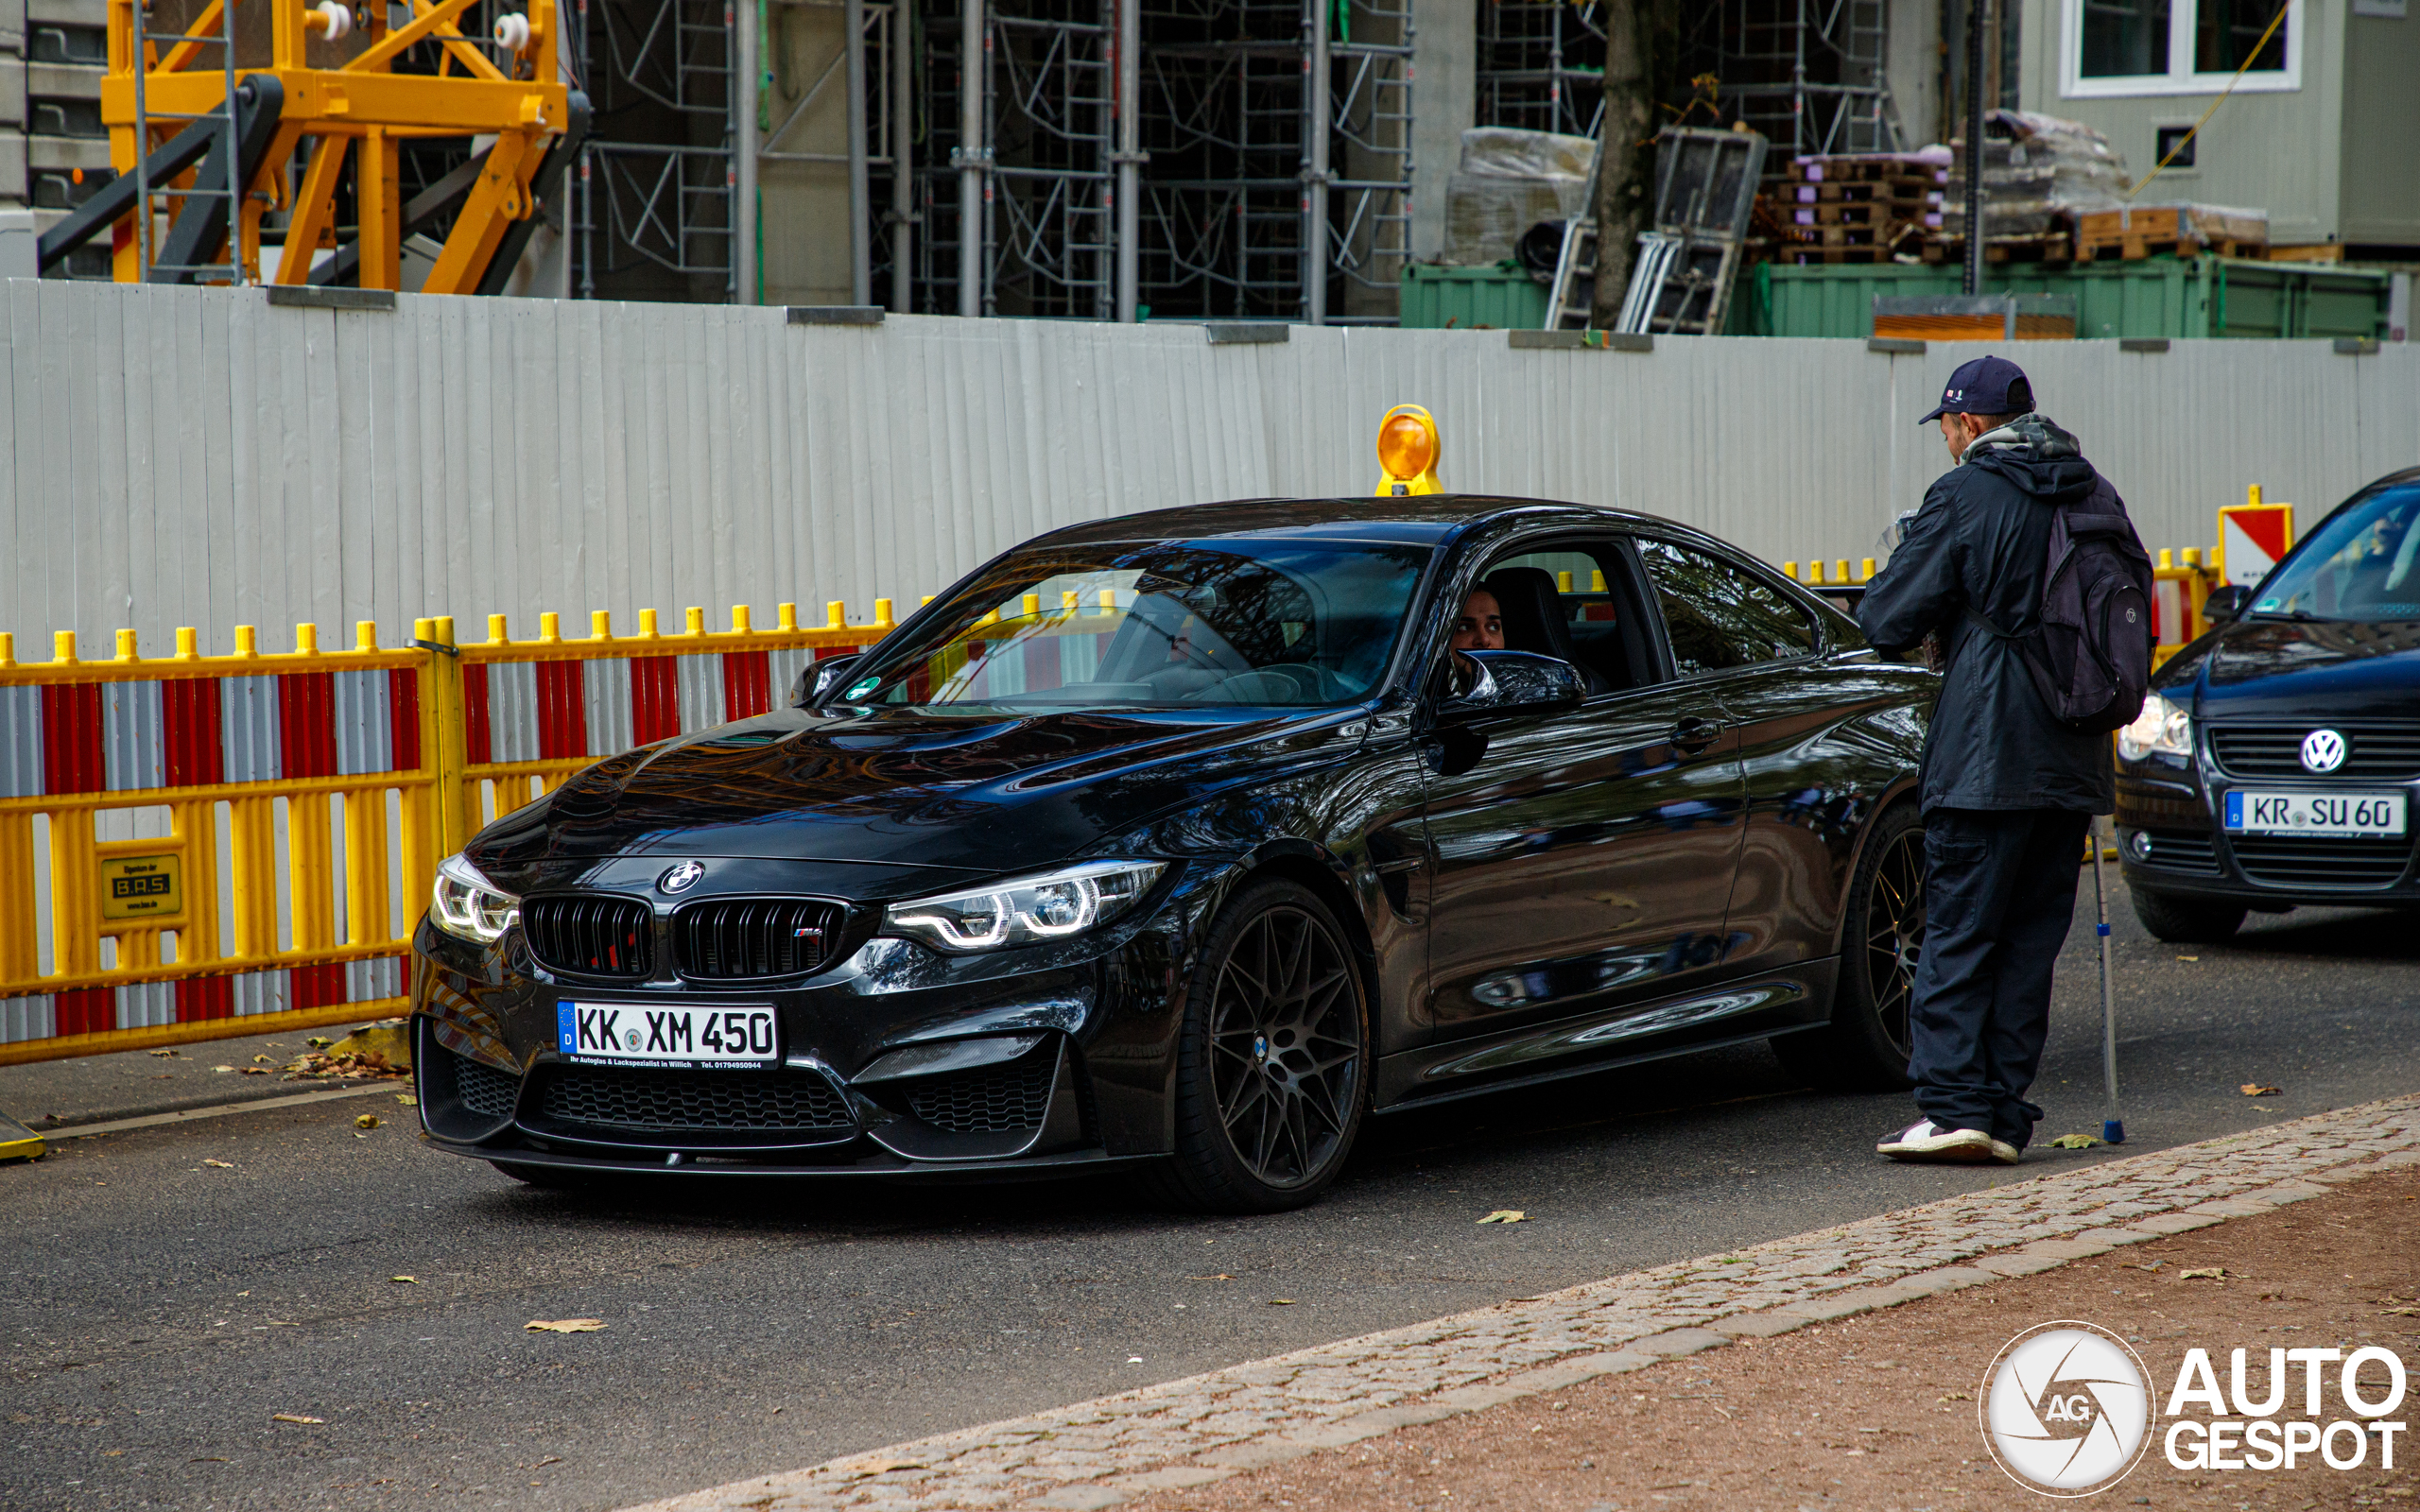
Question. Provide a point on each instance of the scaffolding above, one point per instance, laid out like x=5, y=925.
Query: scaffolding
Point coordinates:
x=1807, y=74
x=654, y=211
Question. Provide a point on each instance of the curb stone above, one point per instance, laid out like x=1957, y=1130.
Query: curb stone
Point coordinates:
x=1203, y=1428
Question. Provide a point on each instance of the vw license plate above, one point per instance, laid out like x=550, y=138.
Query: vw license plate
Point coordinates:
x=2340, y=815
x=667, y=1033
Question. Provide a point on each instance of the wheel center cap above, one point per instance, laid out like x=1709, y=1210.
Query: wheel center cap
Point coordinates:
x=1260, y=1047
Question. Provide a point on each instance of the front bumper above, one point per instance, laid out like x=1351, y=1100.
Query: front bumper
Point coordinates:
x=897, y=1061
x=2170, y=839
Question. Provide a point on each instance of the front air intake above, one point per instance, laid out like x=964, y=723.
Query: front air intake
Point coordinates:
x=741, y=939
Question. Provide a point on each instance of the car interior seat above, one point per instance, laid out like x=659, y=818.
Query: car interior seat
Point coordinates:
x=1534, y=619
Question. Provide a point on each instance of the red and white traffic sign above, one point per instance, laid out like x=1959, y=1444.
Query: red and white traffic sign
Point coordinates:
x=2254, y=537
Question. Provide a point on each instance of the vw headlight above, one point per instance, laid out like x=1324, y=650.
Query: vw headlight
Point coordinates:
x=467, y=906
x=2162, y=728
x=1025, y=910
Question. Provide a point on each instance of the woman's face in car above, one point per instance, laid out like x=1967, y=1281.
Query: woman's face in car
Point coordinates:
x=1481, y=625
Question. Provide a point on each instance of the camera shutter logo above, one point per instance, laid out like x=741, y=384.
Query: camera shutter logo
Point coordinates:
x=2324, y=750
x=681, y=878
x=2066, y=1409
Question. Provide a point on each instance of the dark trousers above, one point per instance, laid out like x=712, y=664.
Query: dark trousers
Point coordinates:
x=1999, y=893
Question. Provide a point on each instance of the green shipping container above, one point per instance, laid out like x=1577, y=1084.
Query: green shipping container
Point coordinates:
x=2177, y=298
x=1501, y=297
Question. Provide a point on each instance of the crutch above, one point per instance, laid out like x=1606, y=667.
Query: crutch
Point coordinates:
x=2113, y=1128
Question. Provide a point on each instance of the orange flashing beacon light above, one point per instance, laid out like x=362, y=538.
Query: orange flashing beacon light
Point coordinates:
x=1408, y=449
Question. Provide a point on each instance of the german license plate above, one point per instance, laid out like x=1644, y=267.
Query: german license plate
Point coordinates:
x=667, y=1033
x=2333, y=816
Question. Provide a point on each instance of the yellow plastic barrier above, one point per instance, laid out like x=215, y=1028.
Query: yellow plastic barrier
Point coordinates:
x=2178, y=592
x=196, y=848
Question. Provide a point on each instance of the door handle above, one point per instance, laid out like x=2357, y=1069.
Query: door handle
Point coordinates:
x=1692, y=735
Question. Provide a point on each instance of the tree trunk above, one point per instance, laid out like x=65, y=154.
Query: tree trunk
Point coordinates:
x=1642, y=41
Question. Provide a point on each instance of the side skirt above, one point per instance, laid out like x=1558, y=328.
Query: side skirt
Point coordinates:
x=1757, y=1007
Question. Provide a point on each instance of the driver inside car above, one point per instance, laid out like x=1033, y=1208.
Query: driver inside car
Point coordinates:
x=1478, y=627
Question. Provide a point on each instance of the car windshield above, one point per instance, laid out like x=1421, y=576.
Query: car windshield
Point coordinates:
x=1243, y=621
x=2362, y=563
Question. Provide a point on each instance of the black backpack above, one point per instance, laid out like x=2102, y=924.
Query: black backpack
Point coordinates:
x=2091, y=657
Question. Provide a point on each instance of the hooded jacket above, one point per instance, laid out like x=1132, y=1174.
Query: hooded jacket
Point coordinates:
x=1981, y=541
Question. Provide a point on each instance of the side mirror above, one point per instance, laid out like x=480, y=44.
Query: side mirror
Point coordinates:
x=2225, y=604
x=1514, y=682
x=817, y=679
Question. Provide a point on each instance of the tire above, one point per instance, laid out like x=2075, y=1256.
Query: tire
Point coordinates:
x=1273, y=1059
x=1865, y=1046
x=2186, y=920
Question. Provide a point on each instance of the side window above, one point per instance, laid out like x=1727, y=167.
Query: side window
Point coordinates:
x=1718, y=616
x=1560, y=602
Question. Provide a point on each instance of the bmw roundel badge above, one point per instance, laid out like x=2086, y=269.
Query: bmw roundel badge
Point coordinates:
x=681, y=878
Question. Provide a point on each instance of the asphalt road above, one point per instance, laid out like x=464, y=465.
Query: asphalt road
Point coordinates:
x=163, y=1310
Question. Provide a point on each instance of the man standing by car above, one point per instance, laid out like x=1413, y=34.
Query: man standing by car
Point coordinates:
x=2008, y=789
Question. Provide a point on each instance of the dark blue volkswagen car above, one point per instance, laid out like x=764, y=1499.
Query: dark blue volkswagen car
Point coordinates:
x=2277, y=762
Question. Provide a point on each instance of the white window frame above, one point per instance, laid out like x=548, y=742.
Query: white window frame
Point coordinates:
x=2180, y=77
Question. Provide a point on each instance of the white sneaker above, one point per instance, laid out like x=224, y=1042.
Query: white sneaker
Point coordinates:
x=2005, y=1153
x=1924, y=1140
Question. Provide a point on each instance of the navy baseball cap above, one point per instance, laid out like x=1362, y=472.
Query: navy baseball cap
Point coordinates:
x=1987, y=386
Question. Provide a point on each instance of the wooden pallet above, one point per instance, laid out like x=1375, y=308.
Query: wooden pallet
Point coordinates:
x=1805, y=256
x=1870, y=212
x=1900, y=190
x=2052, y=247
x=1838, y=235
x=2134, y=247
x=1864, y=170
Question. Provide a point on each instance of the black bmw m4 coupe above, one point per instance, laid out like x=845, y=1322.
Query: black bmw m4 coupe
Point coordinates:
x=1185, y=842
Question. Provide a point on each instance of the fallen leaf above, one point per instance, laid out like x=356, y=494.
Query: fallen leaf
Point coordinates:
x=256, y=1071
x=407, y=1099
x=565, y=1325
x=224, y=1165
x=2188, y=957
x=405, y=1281
x=263, y=1060
x=318, y=1043
x=859, y=1469
x=229, y=1069
x=1223, y=1275
x=1958, y=1396
x=164, y=1052
x=1506, y=1215
x=1281, y=1301
x=2077, y=1142
x=2211, y=1272
x=366, y=1121
x=293, y=1418
x=2254, y=1089
x=557, y=1459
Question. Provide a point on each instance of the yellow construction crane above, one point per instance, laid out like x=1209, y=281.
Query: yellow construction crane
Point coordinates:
x=189, y=113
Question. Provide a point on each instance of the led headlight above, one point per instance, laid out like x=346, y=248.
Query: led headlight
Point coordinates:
x=1025, y=910
x=467, y=906
x=2162, y=727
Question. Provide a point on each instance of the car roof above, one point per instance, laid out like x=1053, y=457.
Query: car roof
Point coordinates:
x=1424, y=519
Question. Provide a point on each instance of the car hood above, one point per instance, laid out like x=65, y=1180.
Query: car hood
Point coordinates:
x=2299, y=669
x=965, y=793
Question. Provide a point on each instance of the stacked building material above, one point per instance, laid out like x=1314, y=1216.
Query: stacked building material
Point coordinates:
x=2132, y=232
x=1854, y=207
x=1510, y=180
x=2041, y=175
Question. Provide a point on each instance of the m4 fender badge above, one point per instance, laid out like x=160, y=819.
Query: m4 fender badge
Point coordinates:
x=681, y=878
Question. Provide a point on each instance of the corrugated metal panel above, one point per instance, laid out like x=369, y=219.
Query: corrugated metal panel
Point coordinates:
x=365, y=726
x=606, y=683
x=28, y=1018
x=132, y=751
x=701, y=685
x=572, y=456
x=20, y=742
x=512, y=711
x=248, y=730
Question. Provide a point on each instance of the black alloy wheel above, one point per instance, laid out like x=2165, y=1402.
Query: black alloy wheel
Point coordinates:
x=1865, y=1046
x=1273, y=1068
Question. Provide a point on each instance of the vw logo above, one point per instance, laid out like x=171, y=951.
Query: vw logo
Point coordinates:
x=681, y=878
x=2323, y=750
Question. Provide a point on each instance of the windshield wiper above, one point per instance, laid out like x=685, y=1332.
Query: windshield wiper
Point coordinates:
x=2298, y=616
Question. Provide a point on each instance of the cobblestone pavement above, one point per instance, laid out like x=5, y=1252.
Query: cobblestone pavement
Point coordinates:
x=1189, y=1431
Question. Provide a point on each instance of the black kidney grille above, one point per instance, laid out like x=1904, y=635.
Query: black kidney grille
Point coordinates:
x=737, y=938
x=618, y=1097
x=1007, y=1099
x=591, y=935
x=2292, y=861
x=2376, y=751
x=2180, y=850
x=484, y=1090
